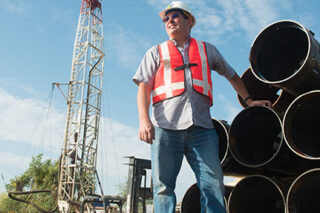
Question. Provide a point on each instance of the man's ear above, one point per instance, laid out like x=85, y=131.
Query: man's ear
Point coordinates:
x=190, y=21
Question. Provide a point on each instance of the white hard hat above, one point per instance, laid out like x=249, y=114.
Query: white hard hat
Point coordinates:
x=178, y=5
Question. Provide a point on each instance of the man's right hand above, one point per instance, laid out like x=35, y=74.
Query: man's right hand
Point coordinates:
x=146, y=131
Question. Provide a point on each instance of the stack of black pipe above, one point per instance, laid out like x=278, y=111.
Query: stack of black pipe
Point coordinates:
x=276, y=150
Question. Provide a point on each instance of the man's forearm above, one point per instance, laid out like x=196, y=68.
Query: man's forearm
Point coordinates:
x=241, y=89
x=146, y=129
x=239, y=86
x=143, y=100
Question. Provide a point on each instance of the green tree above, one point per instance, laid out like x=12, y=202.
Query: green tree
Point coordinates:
x=123, y=189
x=41, y=175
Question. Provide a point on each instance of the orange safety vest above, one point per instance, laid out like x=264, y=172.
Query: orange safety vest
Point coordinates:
x=169, y=78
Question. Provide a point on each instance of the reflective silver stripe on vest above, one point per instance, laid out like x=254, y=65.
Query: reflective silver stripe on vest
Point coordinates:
x=165, y=88
x=204, y=83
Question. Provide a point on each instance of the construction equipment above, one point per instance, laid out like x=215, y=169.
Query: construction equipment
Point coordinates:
x=79, y=154
x=136, y=193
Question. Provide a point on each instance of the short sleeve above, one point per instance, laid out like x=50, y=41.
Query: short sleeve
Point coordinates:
x=148, y=67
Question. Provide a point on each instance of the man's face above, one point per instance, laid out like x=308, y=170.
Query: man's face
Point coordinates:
x=177, y=25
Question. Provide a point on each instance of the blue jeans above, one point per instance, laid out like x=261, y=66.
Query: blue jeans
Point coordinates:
x=201, y=149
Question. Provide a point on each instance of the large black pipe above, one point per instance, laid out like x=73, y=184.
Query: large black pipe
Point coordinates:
x=303, y=194
x=256, y=141
x=191, y=199
x=257, y=194
x=229, y=165
x=301, y=125
x=222, y=128
x=255, y=136
x=286, y=55
x=261, y=91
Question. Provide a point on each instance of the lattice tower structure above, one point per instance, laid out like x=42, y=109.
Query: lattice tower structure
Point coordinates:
x=77, y=177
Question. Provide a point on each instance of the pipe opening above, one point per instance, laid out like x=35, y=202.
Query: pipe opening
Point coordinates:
x=256, y=194
x=304, y=193
x=255, y=136
x=279, y=51
x=222, y=131
x=301, y=125
x=191, y=199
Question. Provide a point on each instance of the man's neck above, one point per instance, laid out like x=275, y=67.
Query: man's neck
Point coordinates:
x=179, y=42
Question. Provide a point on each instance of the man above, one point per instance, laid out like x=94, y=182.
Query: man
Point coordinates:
x=178, y=75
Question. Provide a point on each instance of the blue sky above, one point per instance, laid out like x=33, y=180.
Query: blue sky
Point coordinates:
x=36, y=45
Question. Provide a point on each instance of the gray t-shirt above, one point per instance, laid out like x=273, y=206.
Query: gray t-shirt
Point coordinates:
x=190, y=108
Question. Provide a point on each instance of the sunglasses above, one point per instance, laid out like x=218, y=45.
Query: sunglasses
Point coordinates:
x=175, y=15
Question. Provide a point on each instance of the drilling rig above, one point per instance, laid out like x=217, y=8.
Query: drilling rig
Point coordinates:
x=78, y=174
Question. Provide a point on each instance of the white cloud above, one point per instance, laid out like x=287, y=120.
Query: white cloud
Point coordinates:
x=27, y=120
x=263, y=11
x=224, y=18
x=127, y=47
x=18, y=7
x=158, y=4
x=221, y=20
x=15, y=161
x=16, y=86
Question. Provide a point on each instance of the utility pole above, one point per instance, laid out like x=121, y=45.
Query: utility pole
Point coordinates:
x=77, y=176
